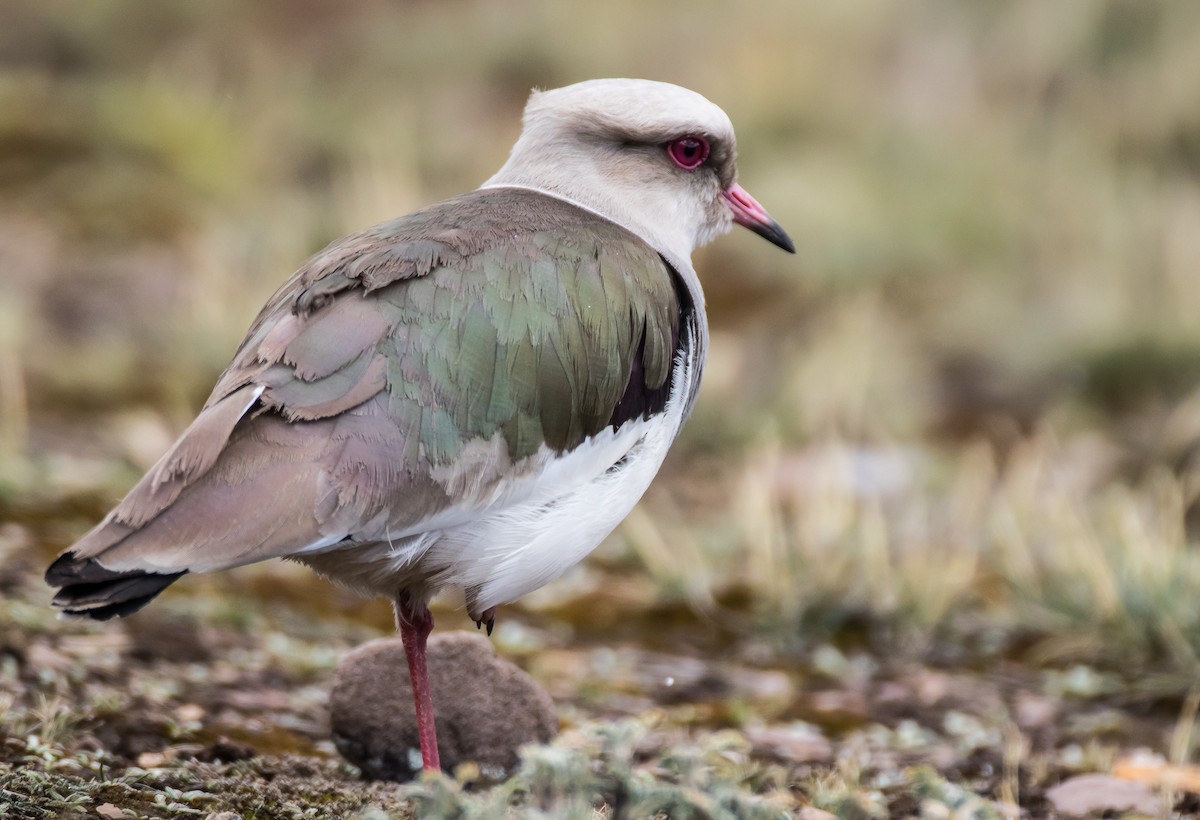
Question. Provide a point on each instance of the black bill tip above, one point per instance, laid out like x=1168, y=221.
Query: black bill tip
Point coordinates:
x=773, y=233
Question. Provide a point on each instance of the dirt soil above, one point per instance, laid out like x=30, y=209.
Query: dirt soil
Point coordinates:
x=199, y=706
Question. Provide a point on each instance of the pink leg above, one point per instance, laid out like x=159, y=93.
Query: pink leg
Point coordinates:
x=415, y=623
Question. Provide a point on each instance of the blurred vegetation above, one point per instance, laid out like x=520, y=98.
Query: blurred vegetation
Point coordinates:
x=961, y=424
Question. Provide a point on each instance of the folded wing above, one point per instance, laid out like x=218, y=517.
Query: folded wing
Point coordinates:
x=404, y=374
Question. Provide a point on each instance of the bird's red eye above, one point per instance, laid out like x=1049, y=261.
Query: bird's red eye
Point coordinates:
x=688, y=153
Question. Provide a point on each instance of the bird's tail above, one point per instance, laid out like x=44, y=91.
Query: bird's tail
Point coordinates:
x=89, y=590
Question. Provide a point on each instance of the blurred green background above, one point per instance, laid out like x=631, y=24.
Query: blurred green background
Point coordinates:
x=968, y=406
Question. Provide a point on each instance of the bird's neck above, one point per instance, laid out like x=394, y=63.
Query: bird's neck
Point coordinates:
x=658, y=219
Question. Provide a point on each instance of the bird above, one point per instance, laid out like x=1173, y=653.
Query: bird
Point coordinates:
x=470, y=397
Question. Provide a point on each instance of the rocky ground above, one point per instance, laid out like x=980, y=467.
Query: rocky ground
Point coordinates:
x=216, y=700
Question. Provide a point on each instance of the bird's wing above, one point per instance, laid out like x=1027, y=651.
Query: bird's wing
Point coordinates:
x=403, y=369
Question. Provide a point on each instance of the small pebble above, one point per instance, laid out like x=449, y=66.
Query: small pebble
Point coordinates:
x=813, y=813
x=1088, y=794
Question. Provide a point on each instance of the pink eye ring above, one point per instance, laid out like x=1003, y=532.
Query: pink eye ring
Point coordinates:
x=689, y=153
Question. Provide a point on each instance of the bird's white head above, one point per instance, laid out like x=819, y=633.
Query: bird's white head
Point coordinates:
x=655, y=157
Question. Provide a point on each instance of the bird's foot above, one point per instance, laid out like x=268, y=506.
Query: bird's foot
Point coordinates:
x=488, y=616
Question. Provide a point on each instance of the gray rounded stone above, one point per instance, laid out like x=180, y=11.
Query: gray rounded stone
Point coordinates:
x=485, y=707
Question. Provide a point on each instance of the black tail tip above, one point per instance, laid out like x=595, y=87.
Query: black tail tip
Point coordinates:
x=88, y=590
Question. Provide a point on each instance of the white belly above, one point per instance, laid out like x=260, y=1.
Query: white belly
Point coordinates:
x=516, y=550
